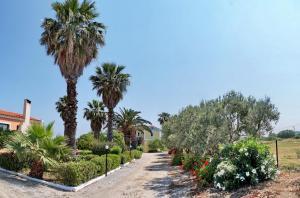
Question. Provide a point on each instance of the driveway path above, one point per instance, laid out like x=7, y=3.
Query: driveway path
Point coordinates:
x=147, y=177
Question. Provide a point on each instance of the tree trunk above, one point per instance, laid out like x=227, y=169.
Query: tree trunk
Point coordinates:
x=109, y=124
x=37, y=169
x=96, y=129
x=70, y=123
x=133, y=140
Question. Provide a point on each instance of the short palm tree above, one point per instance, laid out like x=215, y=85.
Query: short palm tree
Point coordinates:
x=61, y=108
x=129, y=122
x=39, y=147
x=95, y=113
x=72, y=38
x=163, y=117
x=111, y=83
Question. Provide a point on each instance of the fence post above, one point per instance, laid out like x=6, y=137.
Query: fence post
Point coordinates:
x=277, y=154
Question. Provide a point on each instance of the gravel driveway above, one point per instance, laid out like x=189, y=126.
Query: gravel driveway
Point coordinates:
x=147, y=177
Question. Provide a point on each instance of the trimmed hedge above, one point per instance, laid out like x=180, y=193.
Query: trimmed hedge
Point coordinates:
x=9, y=161
x=86, y=157
x=116, y=150
x=136, y=154
x=99, y=148
x=113, y=161
x=75, y=173
x=125, y=157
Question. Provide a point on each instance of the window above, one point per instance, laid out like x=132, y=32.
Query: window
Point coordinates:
x=4, y=127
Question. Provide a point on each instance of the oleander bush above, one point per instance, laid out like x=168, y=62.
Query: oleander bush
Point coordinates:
x=116, y=150
x=10, y=161
x=244, y=162
x=75, y=173
x=136, y=154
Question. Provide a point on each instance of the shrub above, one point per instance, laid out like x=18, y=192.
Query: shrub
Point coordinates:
x=140, y=148
x=156, y=146
x=116, y=161
x=85, y=141
x=86, y=157
x=99, y=148
x=136, y=154
x=9, y=161
x=188, y=161
x=75, y=173
x=125, y=157
x=116, y=150
x=177, y=159
x=249, y=160
x=85, y=152
x=286, y=134
x=118, y=139
x=4, y=136
x=113, y=161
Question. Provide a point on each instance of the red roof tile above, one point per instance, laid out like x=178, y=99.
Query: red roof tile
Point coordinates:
x=15, y=115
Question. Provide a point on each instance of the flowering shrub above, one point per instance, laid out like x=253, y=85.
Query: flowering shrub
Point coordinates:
x=205, y=170
x=244, y=162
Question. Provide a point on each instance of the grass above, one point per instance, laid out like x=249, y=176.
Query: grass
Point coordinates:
x=288, y=152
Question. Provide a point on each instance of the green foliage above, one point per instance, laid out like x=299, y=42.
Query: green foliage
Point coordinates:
x=85, y=152
x=116, y=150
x=85, y=141
x=201, y=128
x=86, y=157
x=10, y=161
x=177, y=159
x=140, y=148
x=286, y=134
x=118, y=139
x=113, y=161
x=116, y=161
x=4, y=137
x=75, y=173
x=99, y=148
x=156, y=146
x=126, y=157
x=244, y=162
x=136, y=154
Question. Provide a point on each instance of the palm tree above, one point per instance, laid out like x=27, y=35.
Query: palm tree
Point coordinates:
x=129, y=122
x=72, y=38
x=95, y=113
x=61, y=108
x=163, y=117
x=111, y=84
x=38, y=146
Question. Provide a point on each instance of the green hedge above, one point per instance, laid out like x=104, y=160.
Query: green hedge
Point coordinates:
x=116, y=150
x=113, y=161
x=10, y=162
x=99, y=148
x=75, y=173
x=125, y=157
x=136, y=154
x=86, y=157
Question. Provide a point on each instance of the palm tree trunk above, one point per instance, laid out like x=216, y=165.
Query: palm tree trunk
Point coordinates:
x=109, y=124
x=96, y=129
x=70, y=123
x=37, y=169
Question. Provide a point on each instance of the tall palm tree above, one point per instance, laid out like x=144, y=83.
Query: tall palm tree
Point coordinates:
x=129, y=122
x=38, y=146
x=111, y=83
x=163, y=117
x=95, y=113
x=72, y=38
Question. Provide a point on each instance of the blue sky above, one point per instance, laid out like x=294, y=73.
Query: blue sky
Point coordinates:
x=178, y=53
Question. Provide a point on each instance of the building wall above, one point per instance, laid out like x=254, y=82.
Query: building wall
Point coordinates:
x=13, y=125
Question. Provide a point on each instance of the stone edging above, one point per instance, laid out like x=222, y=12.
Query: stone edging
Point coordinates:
x=61, y=186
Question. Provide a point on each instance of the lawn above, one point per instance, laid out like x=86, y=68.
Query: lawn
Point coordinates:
x=287, y=150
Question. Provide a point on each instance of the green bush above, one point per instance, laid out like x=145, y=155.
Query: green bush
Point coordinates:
x=116, y=150
x=207, y=170
x=75, y=173
x=156, y=146
x=85, y=152
x=136, y=154
x=10, y=162
x=125, y=157
x=118, y=139
x=177, y=159
x=116, y=160
x=4, y=136
x=245, y=162
x=140, y=148
x=85, y=141
x=86, y=157
x=99, y=148
x=188, y=161
x=113, y=162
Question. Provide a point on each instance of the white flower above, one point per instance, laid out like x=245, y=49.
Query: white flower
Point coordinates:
x=241, y=150
x=242, y=178
x=247, y=174
x=237, y=176
x=218, y=185
x=221, y=173
x=254, y=171
x=223, y=188
x=246, y=153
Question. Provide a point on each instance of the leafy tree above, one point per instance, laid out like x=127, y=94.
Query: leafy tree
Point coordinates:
x=95, y=113
x=111, y=83
x=163, y=117
x=129, y=122
x=39, y=147
x=286, y=134
x=72, y=38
